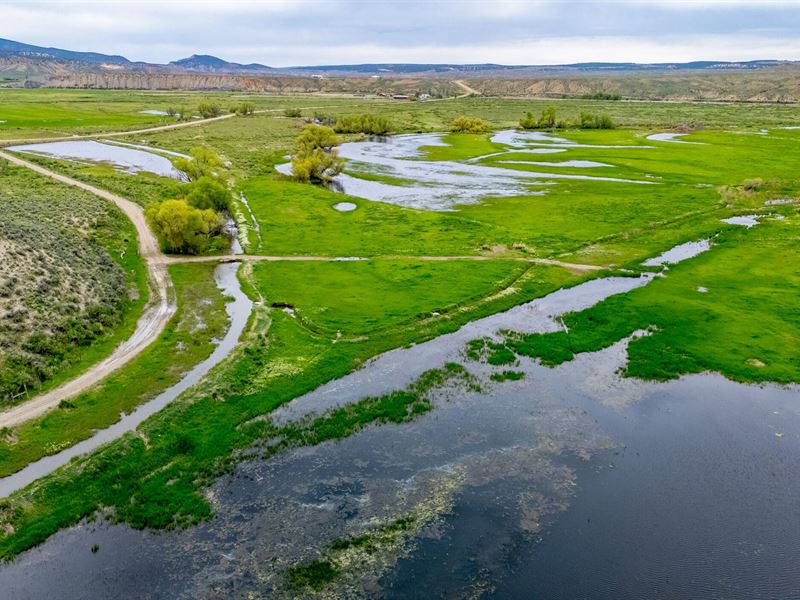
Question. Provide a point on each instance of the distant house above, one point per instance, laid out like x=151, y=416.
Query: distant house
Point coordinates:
x=400, y=97
x=424, y=97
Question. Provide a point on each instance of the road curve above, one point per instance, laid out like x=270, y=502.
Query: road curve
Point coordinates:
x=158, y=311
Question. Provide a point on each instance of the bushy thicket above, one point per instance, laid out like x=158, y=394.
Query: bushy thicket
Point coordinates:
x=186, y=225
x=366, y=123
x=601, y=96
x=182, y=228
x=465, y=124
x=595, y=121
x=548, y=120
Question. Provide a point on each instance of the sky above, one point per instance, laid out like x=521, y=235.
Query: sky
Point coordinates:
x=323, y=32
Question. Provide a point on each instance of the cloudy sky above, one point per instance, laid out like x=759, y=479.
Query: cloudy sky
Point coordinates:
x=313, y=32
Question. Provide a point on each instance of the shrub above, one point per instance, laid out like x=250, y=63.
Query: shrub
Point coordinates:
x=594, y=121
x=465, y=124
x=182, y=228
x=207, y=192
x=292, y=113
x=366, y=123
x=209, y=109
x=203, y=162
x=324, y=119
x=244, y=109
x=601, y=96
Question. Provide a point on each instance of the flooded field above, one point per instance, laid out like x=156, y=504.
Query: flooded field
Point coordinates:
x=568, y=483
x=393, y=170
x=128, y=158
x=523, y=481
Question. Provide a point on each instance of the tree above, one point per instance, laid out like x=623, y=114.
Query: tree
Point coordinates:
x=464, y=124
x=202, y=162
x=182, y=228
x=548, y=118
x=207, y=192
x=315, y=159
x=317, y=136
x=529, y=121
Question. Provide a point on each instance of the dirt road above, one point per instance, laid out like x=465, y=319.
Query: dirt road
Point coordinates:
x=578, y=268
x=157, y=313
x=468, y=91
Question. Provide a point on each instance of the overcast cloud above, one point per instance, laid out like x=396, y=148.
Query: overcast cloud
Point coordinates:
x=313, y=32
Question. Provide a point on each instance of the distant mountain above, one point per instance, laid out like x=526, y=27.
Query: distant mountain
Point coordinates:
x=212, y=64
x=25, y=64
x=18, y=49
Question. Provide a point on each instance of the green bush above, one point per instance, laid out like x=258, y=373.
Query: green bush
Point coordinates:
x=292, y=113
x=202, y=162
x=366, y=123
x=546, y=121
x=601, y=96
x=208, y=110
x=465, y=124
x=207, y=192
x=594, y=121
x=182, y=228
x=244, y=109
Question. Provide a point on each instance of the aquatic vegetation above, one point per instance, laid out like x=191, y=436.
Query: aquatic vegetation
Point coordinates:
x=507, y=376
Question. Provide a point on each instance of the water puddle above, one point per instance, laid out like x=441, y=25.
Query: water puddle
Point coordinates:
x=238, y=313
x=124, y=158
x=345, y=206
x=152, y=111
x=678, y=254
x=745, y=220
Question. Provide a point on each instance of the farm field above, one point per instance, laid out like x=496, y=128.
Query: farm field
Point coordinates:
x=477, y=261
